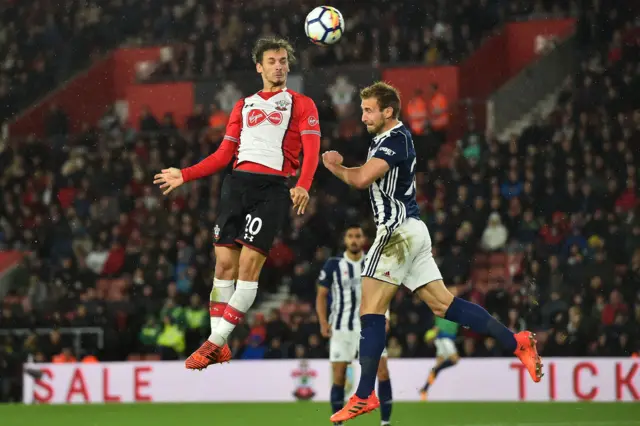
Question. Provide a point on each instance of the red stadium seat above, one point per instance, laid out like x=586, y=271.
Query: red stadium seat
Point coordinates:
x=498, y=259
x=480, y=260
x=498, y=273
x=481, y=274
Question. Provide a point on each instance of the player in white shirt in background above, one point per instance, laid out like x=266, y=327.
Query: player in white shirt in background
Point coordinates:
x=340, y=280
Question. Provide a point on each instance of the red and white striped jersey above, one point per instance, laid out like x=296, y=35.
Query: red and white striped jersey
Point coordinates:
x=269, y=126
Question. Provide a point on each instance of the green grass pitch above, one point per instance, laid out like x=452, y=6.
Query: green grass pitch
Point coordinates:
x=312, y=414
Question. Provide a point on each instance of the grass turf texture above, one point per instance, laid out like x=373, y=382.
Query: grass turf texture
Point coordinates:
x=311, y=414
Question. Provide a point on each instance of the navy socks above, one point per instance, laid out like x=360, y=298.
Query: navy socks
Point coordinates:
x=445, y=364
x=434, y=373
x=478, y=319
x=372, y=342
x=337, y=398
x=386, y=399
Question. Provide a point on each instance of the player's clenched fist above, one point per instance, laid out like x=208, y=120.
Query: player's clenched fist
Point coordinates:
x=170, y=179
x=332, y=157
x=300, y=198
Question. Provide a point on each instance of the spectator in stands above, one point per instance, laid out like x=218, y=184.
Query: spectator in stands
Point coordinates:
x=275, y=349
x=255, y=349
x=495, y=235
x=171, y=340
x=66, y=356
x=438, y=114
x=108, y=251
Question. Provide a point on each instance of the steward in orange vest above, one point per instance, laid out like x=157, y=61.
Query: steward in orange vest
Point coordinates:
x=438, y=110
x=417, y=113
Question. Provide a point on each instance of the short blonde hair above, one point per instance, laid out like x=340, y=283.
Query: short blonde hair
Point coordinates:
x=386, y=95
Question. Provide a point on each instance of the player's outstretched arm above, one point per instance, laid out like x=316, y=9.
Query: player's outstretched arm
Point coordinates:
x=224, y=154
x=168, y=179
x=213, y=163
x=359, y=177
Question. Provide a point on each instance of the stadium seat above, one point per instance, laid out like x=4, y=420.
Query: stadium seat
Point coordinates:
x=499, y=273
x=480, y=274
x=480, y=260
x=498, y=259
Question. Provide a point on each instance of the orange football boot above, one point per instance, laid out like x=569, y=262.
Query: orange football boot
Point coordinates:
x=528, y=354
x=208, y=354
x=355, y=407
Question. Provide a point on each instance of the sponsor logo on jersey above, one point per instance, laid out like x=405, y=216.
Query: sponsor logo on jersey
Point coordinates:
x=312, y=121
x=388, y=151
x=257, y=116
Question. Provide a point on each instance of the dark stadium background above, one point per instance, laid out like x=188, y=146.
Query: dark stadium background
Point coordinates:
x=94, y=261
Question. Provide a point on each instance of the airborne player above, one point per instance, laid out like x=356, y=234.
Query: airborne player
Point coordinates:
x=266, y=132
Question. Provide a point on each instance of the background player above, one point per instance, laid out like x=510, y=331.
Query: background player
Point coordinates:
x=340, y=279
x=444, y=332
x=401, y=252
x=265, y=132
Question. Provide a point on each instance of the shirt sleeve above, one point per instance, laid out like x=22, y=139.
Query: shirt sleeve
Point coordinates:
x=326, y=273
x=309, y=127
x=308, y=121
x=234, y=125
x=393, y=149
x=213, y=163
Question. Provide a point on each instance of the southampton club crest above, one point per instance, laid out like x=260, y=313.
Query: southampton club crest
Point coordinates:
x=303, y=377
x=282, y=105
x=216, y=232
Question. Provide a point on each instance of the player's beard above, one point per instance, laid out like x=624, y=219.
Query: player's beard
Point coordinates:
x=277, y=81
x=354, y=249
x=375, y=128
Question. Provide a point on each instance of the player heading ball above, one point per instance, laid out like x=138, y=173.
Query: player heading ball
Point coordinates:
x=266, y=133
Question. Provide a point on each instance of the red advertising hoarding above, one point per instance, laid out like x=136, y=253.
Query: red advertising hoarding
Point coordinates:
x=489, y=67
x=86, y=97
x=160, y=98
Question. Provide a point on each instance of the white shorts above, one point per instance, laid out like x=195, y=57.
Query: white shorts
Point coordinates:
x=445, y=348
x=344, y=345
x=403, y=257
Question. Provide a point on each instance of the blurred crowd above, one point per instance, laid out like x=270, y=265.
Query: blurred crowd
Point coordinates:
x=43, y=43
x=107, y=250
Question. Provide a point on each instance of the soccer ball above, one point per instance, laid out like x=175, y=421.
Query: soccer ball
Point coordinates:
x=324, y=25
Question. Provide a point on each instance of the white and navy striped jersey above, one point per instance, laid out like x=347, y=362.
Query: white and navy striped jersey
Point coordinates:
x=393, y=196
x=341, y=276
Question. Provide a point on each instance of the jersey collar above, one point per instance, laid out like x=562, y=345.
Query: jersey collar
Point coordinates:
x=269, y=95
x=377, y=138
x=355, y=262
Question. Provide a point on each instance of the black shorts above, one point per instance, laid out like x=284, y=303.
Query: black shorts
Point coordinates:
x=252, y=210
